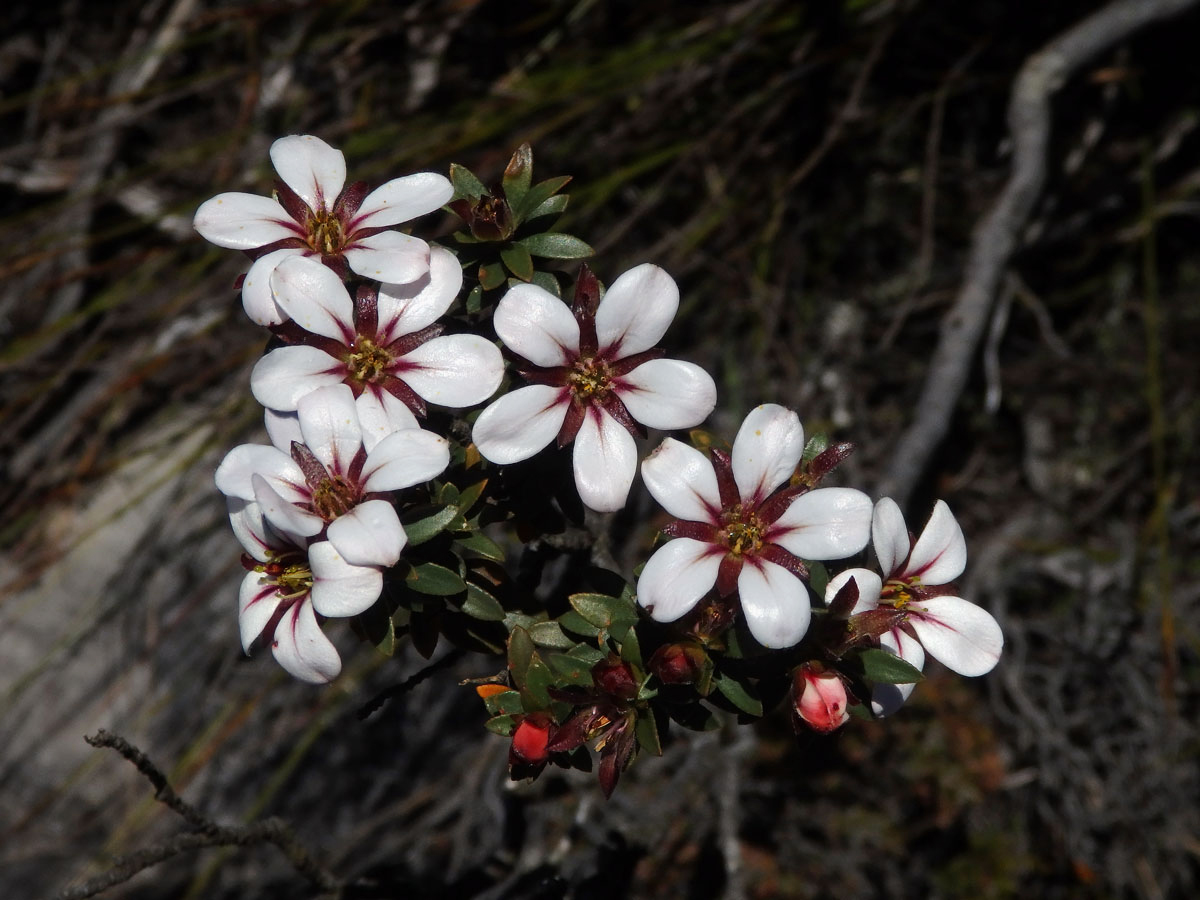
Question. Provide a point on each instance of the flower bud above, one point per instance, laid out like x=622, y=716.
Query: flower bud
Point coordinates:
x=530, y=741
x=615, y=678
x=819, y=699
x=678, y=663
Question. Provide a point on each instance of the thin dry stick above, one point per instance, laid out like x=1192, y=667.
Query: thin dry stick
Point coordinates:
x=996, y=235
x=207, y=834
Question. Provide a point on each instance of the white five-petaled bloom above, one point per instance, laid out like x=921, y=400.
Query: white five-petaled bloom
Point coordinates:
x=315, y=214
x=318, y=526
x=741, y=528
x=595, y=379
x=383, y=344
x=912, y=608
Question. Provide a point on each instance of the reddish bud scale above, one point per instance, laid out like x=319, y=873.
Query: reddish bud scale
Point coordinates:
x=678, y=663
x=615, y=678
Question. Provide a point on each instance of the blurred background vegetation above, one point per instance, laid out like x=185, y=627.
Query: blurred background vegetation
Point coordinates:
x=810, y=173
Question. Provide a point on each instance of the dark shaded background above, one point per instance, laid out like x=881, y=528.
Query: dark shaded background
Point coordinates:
x=810, y=173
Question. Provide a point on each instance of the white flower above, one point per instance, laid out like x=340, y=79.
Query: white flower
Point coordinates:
x=348, y=229
x=742, y=529
x=317, y=525
x=915, y=611
x=384, y=345
x=595, y=379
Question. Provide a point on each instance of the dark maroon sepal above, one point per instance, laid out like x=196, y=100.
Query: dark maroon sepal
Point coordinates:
x=697, y=531
x=615, y=758
x=314, y=471
x=828, y=460
x=290, y=201
x=777, y=504
x=354, y=470
x=407, y=343
x=587, y=298
x=781, y=557
x=614, y=407
x=843, y=601
x=723, y=466
x=338, y=264
x=727, y=574
x=406, y=395
x=462, y=209
x=572, y=733
x=572, y=422
x=624, y=366
x=348, y=202
x=366, y=311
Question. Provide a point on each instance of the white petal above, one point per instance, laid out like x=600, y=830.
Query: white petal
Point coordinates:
x=246, y=519
x=636, y=310
x=301, y=647
x=389, y=256
x=828, y=523
x=402, y=199
x=287, y=518
x=962, y=636
x=244, y=221
x=537, y=325
x=940, y=554
x=454, y=370
x=286, y=374
x=368, y=535
x=329, y=423
x=683, y=481
x=406, y=308
x=405, y=458
x=605, y=461
x=311, y=168
x=766, y=450
x=869, y=587
x=775, y=603
x=520, y=423
x=380, y=413
x=257, y=298
x=257, y=601
x=889, y=535
x=341, y=589
x=676, y=576
x=313, y=295
x=887, y=698
x=234, y=474
x=668, y=394
x=282, y=429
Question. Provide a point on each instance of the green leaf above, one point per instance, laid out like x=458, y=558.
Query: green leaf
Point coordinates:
x=501, y=725
x=737, y=694
x=506, y=703
x=631, y=651
x=555, y=245
x=475, y=300
x=549, y=634
x=604, y=611
x=430, y=526
x=482, y=545
x=647, y=734
x=430, y=578
x=517, y=176
x=883, y=667
x=377, y=626
x=466, y=185
x=518, y=260
x=482, y=605
x=542, y=200
x=570, y=670
x=520, y=654
x=589, y=656
x=818, y=577
x=573, y=621
x=491, y=276
x=547, y=282
x=470, y=496
x=538, y=680
x=448, y=493
x=816, y=446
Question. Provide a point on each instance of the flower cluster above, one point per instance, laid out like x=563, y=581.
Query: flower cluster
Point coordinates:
x=383, y=491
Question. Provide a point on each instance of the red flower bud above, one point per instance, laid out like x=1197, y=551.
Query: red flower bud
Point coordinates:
x=678, y=663
x=530, y=741
x=819, y=699
x=615, y=678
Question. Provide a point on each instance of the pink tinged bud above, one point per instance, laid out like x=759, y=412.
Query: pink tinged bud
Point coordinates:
x=822, y=702
x=615, y=678
x=530, y=741
x=678, y=663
